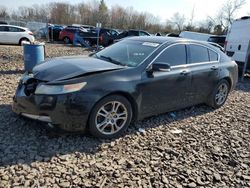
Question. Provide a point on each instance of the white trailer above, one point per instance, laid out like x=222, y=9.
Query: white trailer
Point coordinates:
x=237, y=44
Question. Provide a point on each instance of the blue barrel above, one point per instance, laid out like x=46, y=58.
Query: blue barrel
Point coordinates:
x=33, y=55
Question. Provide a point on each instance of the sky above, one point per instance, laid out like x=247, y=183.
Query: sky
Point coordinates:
x=163, y=9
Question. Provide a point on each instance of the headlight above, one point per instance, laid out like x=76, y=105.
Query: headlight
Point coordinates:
x=59, y=89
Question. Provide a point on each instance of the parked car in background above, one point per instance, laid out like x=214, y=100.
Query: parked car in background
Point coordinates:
x=130, y=80
x=218, y=39
x=67, y=34
x=41, y=33
x=172, y=35
x=10, y=34
x=130, y=33
x=106, y=36
x=90, y=36
x=195, y=35
x=237, y=43
x=84, y=26
x=54, y=32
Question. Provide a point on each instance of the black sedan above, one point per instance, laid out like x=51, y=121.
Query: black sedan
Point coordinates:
x=130, y=80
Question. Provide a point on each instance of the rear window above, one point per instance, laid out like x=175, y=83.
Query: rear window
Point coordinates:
x=198, y=54
x=213, y=56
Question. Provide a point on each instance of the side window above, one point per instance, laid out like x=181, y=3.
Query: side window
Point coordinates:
x=213, y=56
x=123, y=34
x=174, y=55
x=133, y=33
x=142, y=33
x=198, y=54
x=4, y=28
x=14, y=29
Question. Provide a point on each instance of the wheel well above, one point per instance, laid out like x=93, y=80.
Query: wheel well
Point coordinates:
x=24, y=38
x=229, y=81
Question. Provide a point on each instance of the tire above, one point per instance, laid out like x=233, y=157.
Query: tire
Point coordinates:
x=87, y=42
x=23, y=40
x=219, y=95
x=113, y=114
x=66, y=40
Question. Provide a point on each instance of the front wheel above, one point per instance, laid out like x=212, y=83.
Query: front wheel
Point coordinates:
x=110, y=117
x=219, y=95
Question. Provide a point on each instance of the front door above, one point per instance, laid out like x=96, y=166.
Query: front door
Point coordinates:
x=165, y=91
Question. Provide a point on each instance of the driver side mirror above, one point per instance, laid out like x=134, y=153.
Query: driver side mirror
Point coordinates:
x=164, y=67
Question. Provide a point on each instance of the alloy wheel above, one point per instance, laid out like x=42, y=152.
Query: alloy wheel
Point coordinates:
x=221, y=94
x=111, y=117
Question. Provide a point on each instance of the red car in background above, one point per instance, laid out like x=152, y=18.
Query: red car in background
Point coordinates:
x=67, y=34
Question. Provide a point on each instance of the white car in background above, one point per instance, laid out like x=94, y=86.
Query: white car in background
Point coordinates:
x=10, y=34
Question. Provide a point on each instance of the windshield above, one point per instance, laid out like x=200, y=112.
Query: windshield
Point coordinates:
x=127, y=53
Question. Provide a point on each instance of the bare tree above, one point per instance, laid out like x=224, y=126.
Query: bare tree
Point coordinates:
x=230, y=8
x=226, y=15
x=178, y=20
x=3, y=12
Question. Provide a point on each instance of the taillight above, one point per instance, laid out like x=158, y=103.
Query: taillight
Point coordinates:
x=30, y=33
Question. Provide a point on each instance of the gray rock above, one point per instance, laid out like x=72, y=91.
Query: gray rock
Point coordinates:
x=192, y=185
x=64, y=184
x=217, y=176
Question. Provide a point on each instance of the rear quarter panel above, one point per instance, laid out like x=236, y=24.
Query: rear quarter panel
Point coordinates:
x=229, y=71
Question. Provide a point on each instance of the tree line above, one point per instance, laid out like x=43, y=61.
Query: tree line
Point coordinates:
x=94, y=11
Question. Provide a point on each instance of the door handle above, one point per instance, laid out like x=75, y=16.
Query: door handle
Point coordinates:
x=185, y=72
x=214, y=68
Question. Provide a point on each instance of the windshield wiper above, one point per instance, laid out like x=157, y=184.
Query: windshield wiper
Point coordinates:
x=110, y=59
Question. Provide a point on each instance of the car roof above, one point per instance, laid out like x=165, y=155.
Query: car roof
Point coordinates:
x=14, y=26
x=164, y=39
x=157, y=39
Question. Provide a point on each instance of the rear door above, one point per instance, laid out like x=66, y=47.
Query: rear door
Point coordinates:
x=15, y=34
x=165, y=91
x=204, y=67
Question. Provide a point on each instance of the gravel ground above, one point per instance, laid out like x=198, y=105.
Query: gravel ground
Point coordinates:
x=194, y=147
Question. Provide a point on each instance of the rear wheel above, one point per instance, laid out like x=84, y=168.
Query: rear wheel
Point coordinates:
x=66, y=40
x=110, y=117
x=219, y=95
x=23, y=40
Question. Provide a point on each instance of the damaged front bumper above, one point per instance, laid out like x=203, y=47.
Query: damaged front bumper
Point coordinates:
x=68, y=112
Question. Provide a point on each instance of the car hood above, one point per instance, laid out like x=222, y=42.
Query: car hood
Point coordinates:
x=65, y=68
